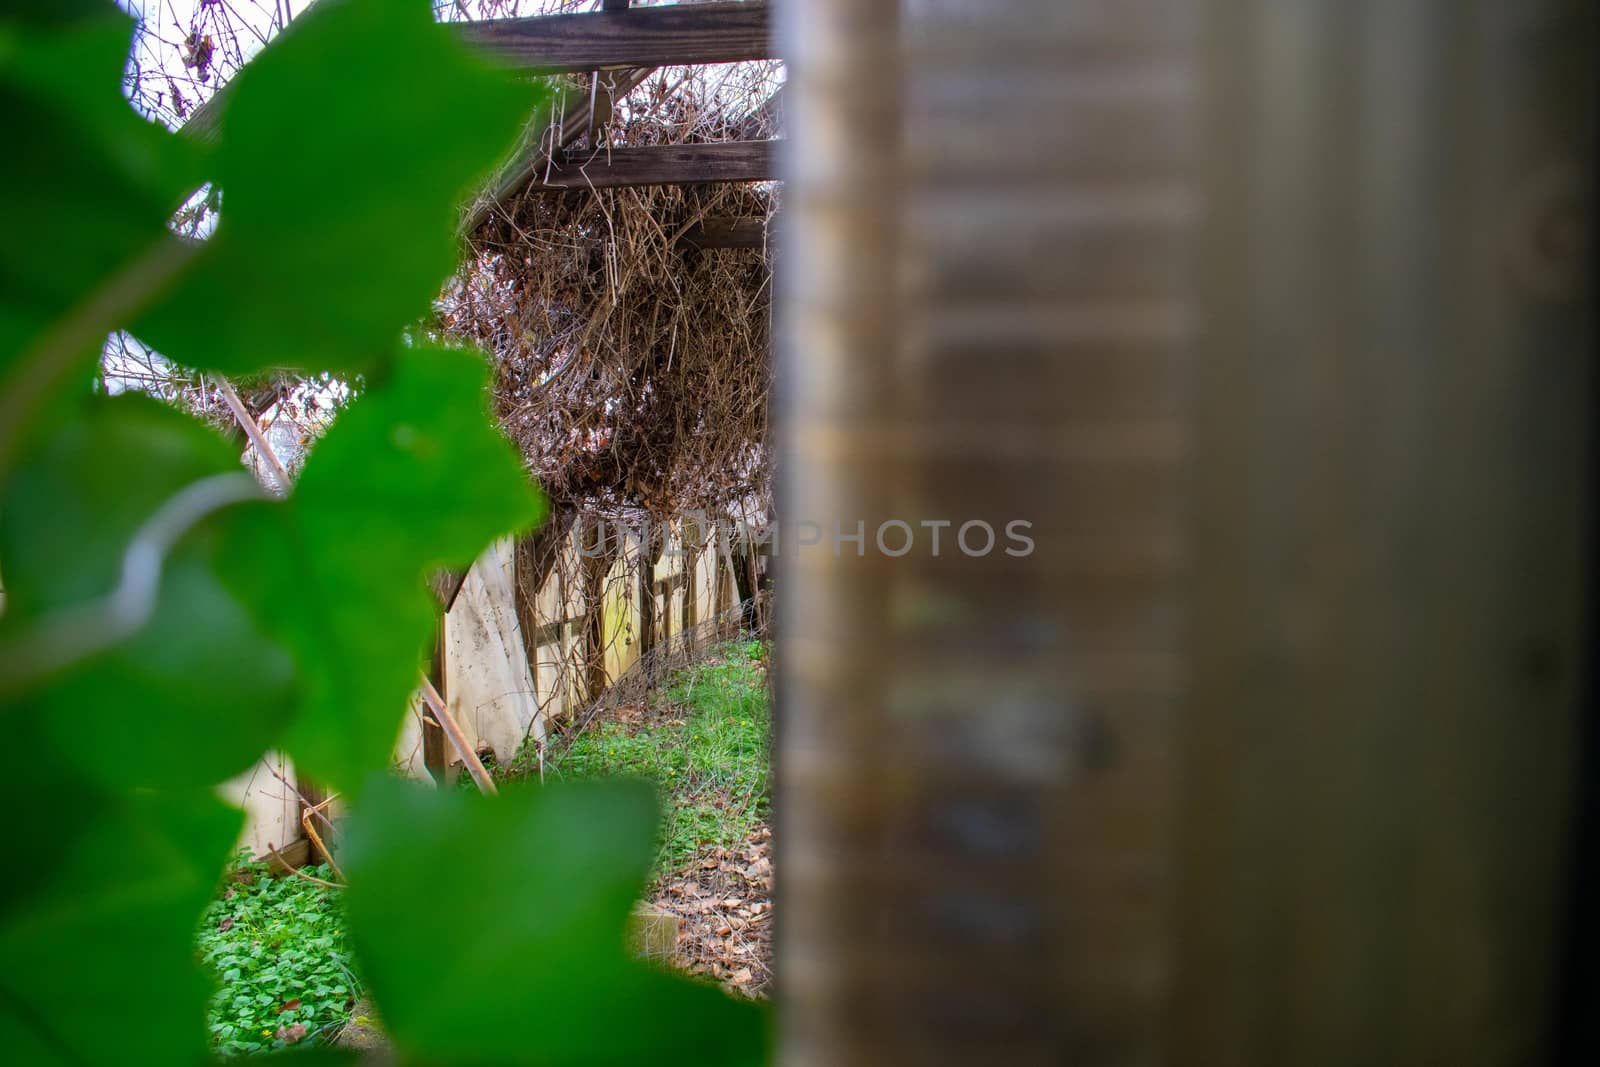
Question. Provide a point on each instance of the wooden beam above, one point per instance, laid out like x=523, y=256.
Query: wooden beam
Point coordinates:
x=730, y=232
x=635, y=37
x=284, y=861
x=575, y=43
x=577, y=113
x=647, y=598
x=593, y=568
x=434, y=761
x=595, y=118
x=687, y=164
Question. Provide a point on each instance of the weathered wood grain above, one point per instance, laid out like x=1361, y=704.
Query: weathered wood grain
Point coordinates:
x=636, y=37
x=690, y=164
x=595, y=40
x=728, y=233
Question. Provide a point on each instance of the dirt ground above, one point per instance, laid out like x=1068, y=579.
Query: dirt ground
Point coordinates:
x=725, y=905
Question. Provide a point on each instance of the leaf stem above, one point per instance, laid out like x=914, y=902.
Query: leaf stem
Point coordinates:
x=78, y=632
x=42, y=368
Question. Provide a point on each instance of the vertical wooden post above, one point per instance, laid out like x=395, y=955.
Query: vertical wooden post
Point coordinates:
x=1393, y=494
x=569, y=677
x=598, y=109
x=691, y=538
x=1282, y=779
x=856, y=985
x=596, y=564
x=647, y=596
x=434, y=757
x=987, y=323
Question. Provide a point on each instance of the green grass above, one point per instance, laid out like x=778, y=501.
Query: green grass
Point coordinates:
x=704, y=740
x=279, y=950
x=278, y=945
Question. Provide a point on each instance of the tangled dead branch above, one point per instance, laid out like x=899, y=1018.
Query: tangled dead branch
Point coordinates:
x=632, y=369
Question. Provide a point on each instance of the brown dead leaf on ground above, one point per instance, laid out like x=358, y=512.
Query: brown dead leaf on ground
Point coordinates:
x=726, y=915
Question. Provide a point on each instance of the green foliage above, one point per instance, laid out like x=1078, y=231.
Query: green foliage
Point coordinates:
x=281, y=953
x=88, y=186
x=290, y=624
x=411, y=476
x=531, y=966
x=343, y=150
x=97, y=919
x=706, y=748
x=150, y=703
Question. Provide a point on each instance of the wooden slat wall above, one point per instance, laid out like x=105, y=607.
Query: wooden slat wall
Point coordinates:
x=688, y=585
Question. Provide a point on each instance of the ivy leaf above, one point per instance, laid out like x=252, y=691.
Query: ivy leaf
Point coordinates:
x=199, y=691
x=88, y=184
x=344, y=148
x=97, y=946
x=413, y=476
x=536, y=969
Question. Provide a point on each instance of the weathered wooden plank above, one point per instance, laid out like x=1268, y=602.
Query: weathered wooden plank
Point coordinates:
x=291, y=857
x=595, y=40
x=689, y=164
x=434, y=759
x=555, y=632
x=636, y=37
x=670, y=582
x=951, y=845
x=728, y=232
x=578, y=114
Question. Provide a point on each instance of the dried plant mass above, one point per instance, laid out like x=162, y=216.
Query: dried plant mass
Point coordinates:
x=632, y=368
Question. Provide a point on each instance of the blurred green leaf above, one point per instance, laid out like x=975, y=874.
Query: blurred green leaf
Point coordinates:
x=316, y=1056
x=412, y=477
x=533, y=967
x=344, y=147
x=97, y=955
x=199, y=691
x=88, y=184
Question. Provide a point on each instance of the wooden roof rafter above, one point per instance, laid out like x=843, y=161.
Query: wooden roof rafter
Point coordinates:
x=740, y=35
x=611, y=39
x=580, y=111
x=673, y=164
x=671, y=36
x=619, y=46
